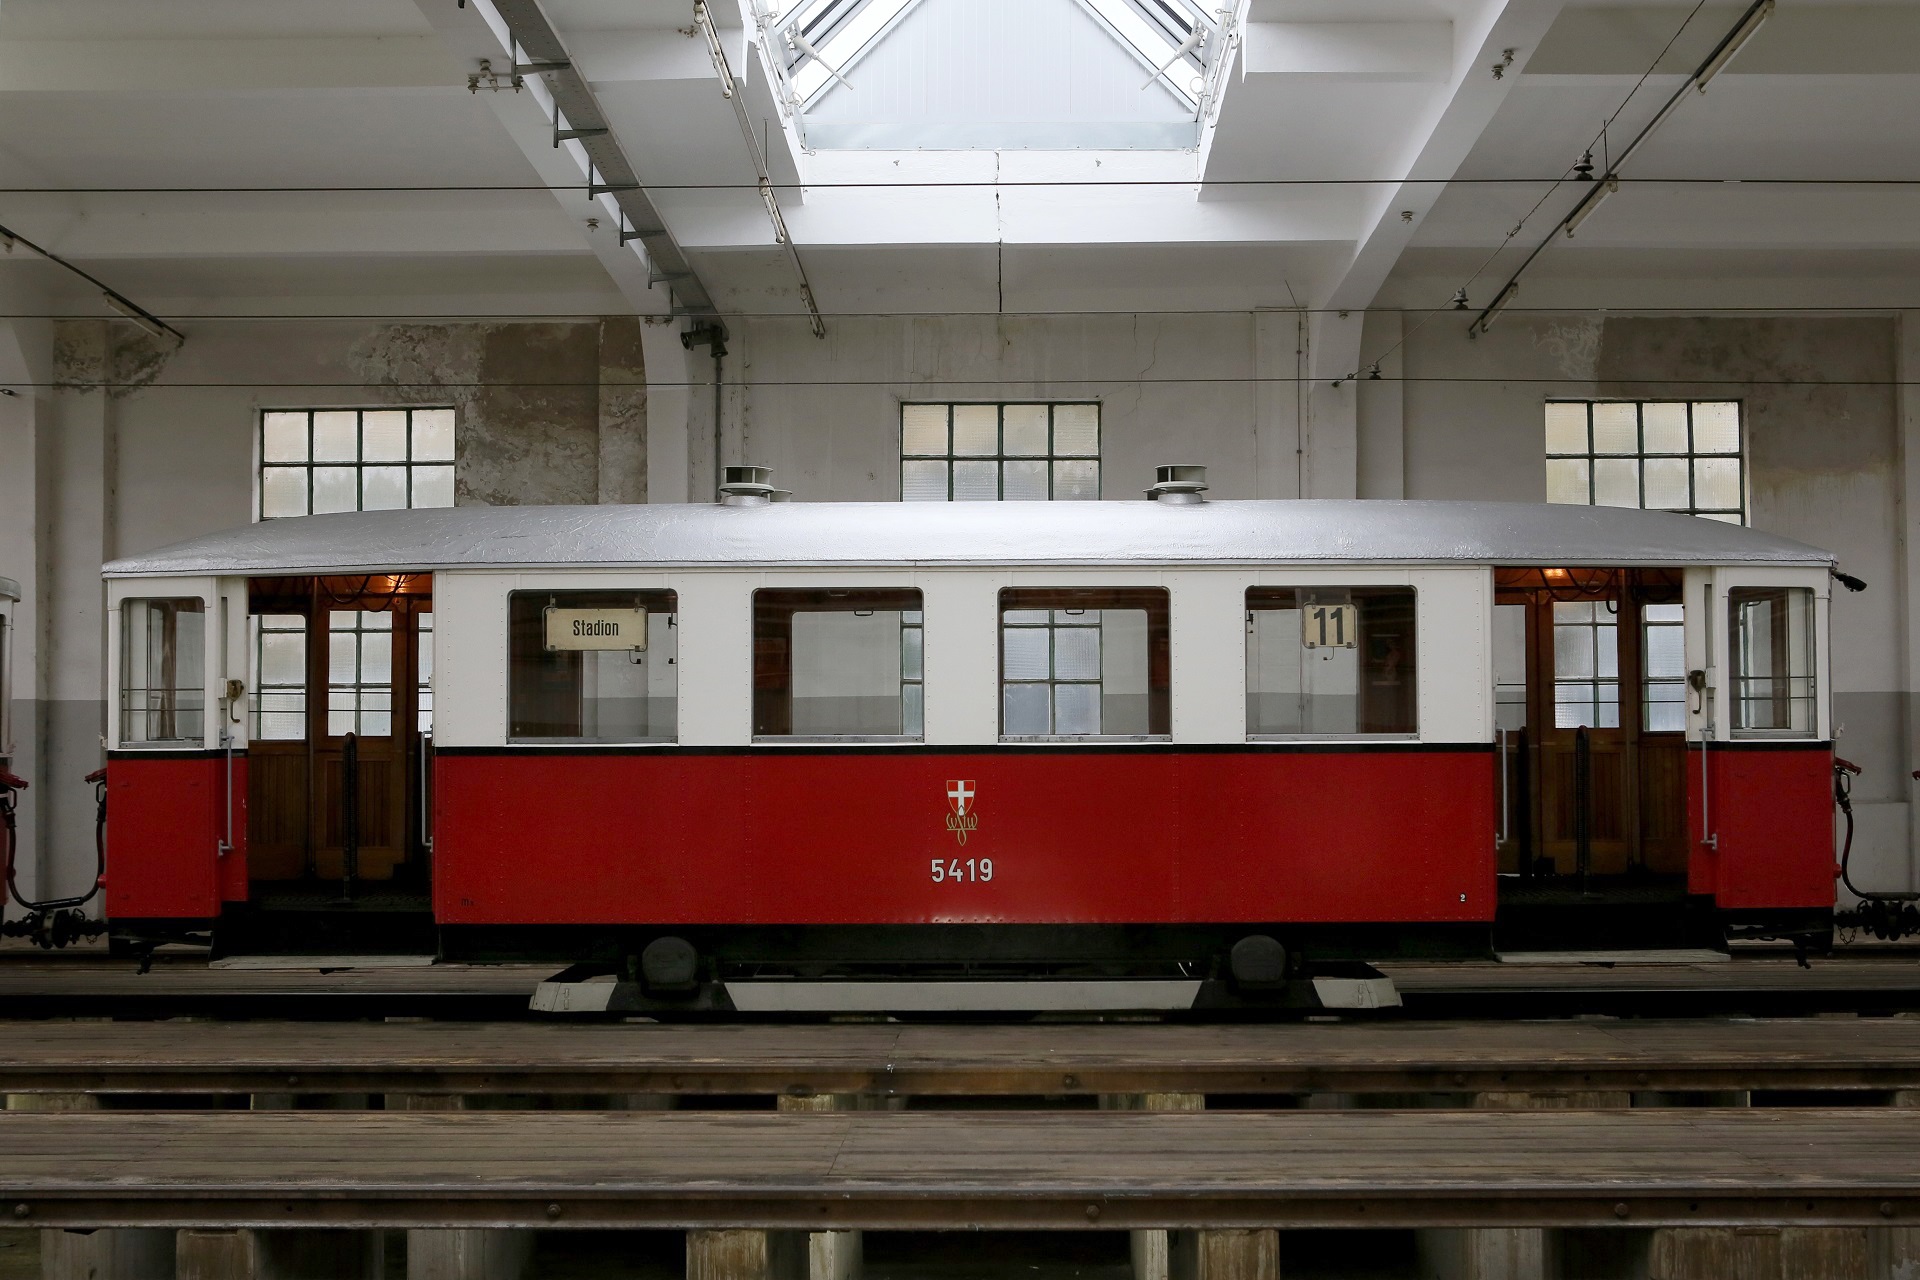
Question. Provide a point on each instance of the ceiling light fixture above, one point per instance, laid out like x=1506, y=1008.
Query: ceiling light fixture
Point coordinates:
x=1590, y=202
x=1492, y=313
x=135, y=314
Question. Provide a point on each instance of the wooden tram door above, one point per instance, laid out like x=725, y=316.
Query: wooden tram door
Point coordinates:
x=340, y=656
x=1601, y=742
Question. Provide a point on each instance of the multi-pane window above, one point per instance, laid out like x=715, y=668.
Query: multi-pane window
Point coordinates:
x=279, y=677
x=996, y=452
x=1770, y=638
x=1330, y=660
x=163, y=665
x=1663, y=455
x=1083, y=663
x=1663, y=663
x=359, y=673
x=1586, y=664
x=314, y=461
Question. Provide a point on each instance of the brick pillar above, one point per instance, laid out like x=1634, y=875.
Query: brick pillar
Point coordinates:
x=1149, y=1246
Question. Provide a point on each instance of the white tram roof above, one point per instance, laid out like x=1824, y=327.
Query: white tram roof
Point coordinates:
x=885, y=534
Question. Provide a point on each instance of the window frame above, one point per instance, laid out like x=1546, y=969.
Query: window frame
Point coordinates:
x=1810, y=656
x=1248, y=608
x=1692, y=455
x=1050, y=458
x=644, y=594
x=360, y=462
x=122, y=655
x=1031, y=598
x=766, y=603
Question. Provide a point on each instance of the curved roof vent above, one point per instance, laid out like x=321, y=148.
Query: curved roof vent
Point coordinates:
x=750, y=487
x=1179, y=484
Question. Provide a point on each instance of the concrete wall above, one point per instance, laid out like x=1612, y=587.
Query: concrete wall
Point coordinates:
x=614, y=410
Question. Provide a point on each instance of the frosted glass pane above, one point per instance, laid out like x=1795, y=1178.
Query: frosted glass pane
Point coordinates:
x=383, y=489
x=1716, y=427
x=1666, y=483
x=1026, y=430
x=1616, y=482
x=1606, y=645
x=336, y=435
x=433, y=435
x=910, y=652
x=339, y=620
x=1024, y=481
x=1616, y=428
x=1565, y=611
x=283, y=437
x=913, y=715
x=1666, y=652
x=976, y=430
x=333, y=489
x=1076, y=429
x=1076, y=480
x=1026, y=654
x=371, y=621
x=1572, y=653
x=1566, y=428
x=1076, y=708
x=1024, y=709
x=1716, y=482
x=283, y=657
x=1024, y=618
x=1567, y=480
x=976, y=481
x=339, y=722
x=923, y=429
x=433, y=486
x=283, y=491
x=376, y=657
x=342, y=650
x=425, y=649
x=1663, y=426
x=1664, y=612
x=1665, y=712
x=383, y=436
x=923, y=481
x=1076, y=653
x=375, y=724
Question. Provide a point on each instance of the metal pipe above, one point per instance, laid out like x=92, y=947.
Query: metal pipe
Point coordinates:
x=426, y=781
x=1506, y=805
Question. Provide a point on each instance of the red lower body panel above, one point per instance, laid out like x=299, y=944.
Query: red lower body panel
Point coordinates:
x=1771, y=809
x=164, y=828
x=801, y=837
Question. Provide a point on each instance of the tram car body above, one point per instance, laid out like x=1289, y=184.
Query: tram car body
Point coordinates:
x=790, y=739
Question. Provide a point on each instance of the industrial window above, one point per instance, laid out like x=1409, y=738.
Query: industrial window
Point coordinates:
x=163, y=663
x=1663, y=662
x=995, y=452
x=1770, y=634
x=592, y=666
x=314, y=461
x=1663, y=455
x=837, y=663
x=1330, y=660
x=1084, y=663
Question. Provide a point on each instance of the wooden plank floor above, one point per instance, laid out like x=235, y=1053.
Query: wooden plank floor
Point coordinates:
x=1004, y=1170
x=905, y=1059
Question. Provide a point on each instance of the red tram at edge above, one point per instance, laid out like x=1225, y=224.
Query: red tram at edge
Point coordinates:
x=1214, y=745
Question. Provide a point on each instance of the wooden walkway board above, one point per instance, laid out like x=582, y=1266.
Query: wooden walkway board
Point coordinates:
x=879, y=1170
x=909, y=1059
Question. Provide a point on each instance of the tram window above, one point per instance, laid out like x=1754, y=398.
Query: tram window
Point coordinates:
x=1586, y=664
x=590, y=684
x=1330, y=660
x=280, y=677
x=837, y=663
x=1770, y=634
x=163, y=647
x=1084, y=663
x=1663, y=678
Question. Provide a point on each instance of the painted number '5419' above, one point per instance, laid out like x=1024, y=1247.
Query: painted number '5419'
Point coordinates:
x=961, y=871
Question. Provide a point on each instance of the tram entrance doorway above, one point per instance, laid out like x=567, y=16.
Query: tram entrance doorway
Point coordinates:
x=1590, y=696
x=341, y=741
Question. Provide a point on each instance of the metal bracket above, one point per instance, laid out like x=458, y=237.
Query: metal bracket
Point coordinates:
x=596, y=190
x=626, y=235
x=568, y=135
x=540, y=68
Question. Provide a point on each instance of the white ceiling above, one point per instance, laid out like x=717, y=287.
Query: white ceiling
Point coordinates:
x=1294, y=196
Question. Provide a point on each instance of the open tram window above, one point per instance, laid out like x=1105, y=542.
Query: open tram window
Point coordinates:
x=834, y=663
x=1084, y=663
x=1770, y=638
x=163, y=658
x=1325, y=661
x=593, y=666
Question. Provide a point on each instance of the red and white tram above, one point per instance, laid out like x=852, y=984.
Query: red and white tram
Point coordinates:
x=1206, y=739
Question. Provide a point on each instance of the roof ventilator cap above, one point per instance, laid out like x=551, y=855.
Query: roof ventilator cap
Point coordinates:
x=1179, y=484
x=750, y=487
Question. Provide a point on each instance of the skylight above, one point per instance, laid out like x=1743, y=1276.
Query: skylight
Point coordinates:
x=1050, y=77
